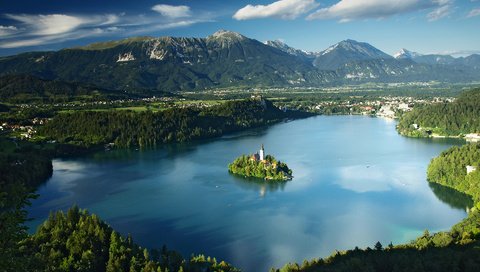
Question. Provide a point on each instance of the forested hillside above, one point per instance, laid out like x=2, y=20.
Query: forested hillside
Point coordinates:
x=26, y=88
x=449, y=169
x=79, y=241
x=450, y=119
x=223, y=59
x=21, y=171
x=126, y=129
x=408, y=259
x=170, y=64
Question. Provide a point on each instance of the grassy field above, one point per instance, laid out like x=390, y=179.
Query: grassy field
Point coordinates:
x=152, y=106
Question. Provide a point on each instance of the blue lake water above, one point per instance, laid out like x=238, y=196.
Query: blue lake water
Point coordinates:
x=356, y=182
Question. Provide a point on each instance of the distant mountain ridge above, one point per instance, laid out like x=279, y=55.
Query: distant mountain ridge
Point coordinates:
x=472, y=61
x=406, y=54
x=169, y=63
x=224, y=59
x=347, y=51
x=308, y=56
x=359, y=62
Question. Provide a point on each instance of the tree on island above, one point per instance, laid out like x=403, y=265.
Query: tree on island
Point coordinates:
x=258, y=166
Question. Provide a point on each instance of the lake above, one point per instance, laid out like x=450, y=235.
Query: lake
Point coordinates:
x=356, y=182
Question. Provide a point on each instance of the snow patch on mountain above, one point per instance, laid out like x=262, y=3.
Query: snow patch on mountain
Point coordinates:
x=156, y=52
x=125, y=57
x=290, y=50
x=406, y=54
x=330, y=49
x=225, y=34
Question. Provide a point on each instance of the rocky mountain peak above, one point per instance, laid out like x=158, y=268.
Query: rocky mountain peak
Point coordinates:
x=226, y=34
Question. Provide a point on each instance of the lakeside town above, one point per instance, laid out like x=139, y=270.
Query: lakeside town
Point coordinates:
x=390, y=107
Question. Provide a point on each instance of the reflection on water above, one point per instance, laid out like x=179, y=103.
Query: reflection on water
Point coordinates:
x=355, y=182
x=258, y=185
x=452, y=197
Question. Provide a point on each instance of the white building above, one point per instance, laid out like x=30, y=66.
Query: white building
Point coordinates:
x=470, y=169
x=386, y=111
x=404, y=107
x=472, y=137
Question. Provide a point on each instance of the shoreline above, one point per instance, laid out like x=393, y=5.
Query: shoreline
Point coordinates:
x=217, y=137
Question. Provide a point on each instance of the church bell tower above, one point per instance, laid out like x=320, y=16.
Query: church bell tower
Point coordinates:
x=261, y=153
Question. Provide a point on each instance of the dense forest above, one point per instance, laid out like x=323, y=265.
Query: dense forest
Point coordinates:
x=449, y=119
x=449, y=169
x=27, y=89
x=147, y=129
x=269, y=169
x=79, y=241
x=393, y=259
x=21, y=171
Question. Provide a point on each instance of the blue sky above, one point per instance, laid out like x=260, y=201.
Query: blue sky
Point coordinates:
x=425, y=26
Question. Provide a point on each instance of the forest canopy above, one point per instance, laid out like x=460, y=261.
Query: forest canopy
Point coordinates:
x=148, y=129
x=268, y=169
x=450, y=169
x=449, y=119
x=79, y=241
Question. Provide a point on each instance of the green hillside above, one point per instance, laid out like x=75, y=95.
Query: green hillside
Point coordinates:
x=449, y=169
x=26, y=88
x=148, y=129
x=449, y=119
x=223, y=59
x=169, y=64
x=79, y=241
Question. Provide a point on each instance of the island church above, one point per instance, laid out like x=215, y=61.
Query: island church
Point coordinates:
x=260, y=155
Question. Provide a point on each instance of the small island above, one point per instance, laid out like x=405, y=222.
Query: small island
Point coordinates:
x=262, y=166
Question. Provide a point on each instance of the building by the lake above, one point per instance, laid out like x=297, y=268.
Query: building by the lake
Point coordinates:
x=472, y=137
x=260, y=155
x=470, y=169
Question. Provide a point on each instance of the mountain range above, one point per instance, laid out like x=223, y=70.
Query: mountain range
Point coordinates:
x=472, y=61
x=225, y=58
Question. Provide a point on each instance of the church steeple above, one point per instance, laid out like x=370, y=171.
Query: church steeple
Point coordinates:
x=261, y=153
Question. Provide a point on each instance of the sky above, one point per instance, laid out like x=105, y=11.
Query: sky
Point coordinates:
x=424, y=26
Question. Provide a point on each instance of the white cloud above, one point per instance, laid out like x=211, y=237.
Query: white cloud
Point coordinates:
x=284, y=9
x=458, y=53
x=439, y=13
x=7, y=30
x=49, y=24
x=348, y=10
x=172, y=11
x=33, y=30
x=111, y=19
x=40, y=40
x=52, y=28
x=168, y=25
x=473, y=13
